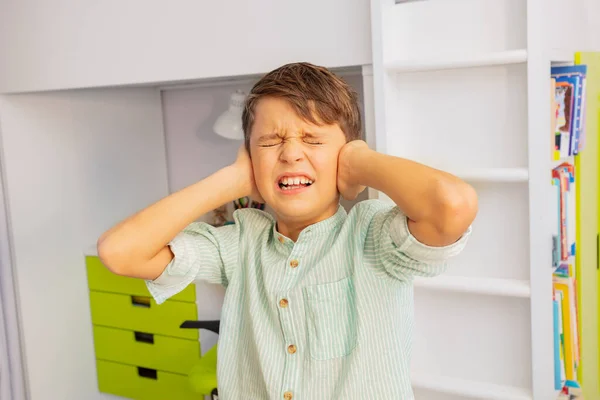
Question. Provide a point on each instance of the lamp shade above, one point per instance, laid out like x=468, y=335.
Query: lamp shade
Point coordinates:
x=229, y=124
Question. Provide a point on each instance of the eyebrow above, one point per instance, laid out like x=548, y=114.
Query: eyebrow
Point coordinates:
x=277, y=136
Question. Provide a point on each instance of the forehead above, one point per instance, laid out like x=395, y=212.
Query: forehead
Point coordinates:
x=277, y=113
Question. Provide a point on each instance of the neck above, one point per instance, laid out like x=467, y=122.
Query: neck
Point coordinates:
x=293, y=227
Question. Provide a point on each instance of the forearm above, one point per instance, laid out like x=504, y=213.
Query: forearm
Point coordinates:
x=135, y=241
x=436, y=203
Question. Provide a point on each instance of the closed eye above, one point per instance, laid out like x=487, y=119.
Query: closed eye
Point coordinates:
x=313, y=142
x=268, y=144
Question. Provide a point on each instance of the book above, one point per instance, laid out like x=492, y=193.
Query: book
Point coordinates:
x=553, y=116
x=569, y=126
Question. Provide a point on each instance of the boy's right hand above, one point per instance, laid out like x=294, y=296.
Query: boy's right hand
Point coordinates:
x=138, y=246
x=245, y=172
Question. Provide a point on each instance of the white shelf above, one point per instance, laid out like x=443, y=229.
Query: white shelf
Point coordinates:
x=470, y=389
x=485, y=286
x=493, y=174
x=458, y=61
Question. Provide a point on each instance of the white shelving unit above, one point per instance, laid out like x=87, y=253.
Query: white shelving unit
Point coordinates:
x=463, y=85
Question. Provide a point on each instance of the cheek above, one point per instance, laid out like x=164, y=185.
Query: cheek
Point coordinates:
x=326, y=168
x=262, y=171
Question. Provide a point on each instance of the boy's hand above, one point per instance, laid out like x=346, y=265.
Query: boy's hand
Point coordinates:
x=243, y=165
x=347, y=178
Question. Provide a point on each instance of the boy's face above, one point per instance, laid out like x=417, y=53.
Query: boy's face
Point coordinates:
x=295, y=162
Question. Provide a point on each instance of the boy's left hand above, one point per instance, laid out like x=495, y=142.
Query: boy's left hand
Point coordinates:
x=347, y=182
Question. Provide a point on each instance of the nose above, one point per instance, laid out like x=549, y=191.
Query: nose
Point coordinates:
x=291, y=152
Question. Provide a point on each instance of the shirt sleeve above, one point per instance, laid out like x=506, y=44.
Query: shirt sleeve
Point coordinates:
x=201, y=252
x=399, y=254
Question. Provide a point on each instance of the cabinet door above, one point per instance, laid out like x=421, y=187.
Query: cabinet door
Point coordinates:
x=450, y=85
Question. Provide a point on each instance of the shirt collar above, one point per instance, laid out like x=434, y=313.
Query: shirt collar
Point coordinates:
x=327, y=226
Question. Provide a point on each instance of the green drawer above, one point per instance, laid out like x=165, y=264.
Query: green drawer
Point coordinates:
x=135, y=383
x=101, y=279
x=147, y=350
x=142, y=314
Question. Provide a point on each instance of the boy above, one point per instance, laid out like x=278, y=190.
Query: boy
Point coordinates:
x=318, y=302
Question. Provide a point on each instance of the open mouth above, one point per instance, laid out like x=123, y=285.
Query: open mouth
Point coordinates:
x=296, y=182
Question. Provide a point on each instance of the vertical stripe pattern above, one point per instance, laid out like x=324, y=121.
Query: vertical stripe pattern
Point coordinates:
x=329, y=316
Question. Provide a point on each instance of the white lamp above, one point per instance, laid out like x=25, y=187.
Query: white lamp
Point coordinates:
x=229, y=124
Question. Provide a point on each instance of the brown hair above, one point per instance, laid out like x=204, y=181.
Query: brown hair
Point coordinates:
x=312, y=91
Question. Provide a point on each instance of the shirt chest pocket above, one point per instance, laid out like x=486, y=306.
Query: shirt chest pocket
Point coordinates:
x=331, y=319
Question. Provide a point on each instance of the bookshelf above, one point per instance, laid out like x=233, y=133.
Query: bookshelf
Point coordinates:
x=470, y=95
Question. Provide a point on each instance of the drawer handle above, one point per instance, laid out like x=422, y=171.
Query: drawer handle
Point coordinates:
x=140, y=301
x=147, y=373
x=144, y=337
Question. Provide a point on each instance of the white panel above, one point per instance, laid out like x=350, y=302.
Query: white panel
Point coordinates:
x=439, y=27
x=76, y=163
x=82, y=44
x=497, y=248
x=460, y=119
x=470, y=337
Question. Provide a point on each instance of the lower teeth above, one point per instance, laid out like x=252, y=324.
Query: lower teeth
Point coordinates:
x=286, y=187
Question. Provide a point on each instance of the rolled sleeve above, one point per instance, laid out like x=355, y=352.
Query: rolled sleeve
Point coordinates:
x=201, y=252
x=400, y=254
x=405, y=242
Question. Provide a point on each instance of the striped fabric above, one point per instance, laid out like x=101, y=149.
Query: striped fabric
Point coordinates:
x=327, y=317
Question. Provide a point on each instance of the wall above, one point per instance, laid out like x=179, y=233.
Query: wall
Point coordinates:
x=111, y=42
x=76, y=162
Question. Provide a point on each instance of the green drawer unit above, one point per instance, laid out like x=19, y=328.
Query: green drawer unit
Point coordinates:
x=147, y=350
x=101, y=279
x=138, y=383
x=142, y=314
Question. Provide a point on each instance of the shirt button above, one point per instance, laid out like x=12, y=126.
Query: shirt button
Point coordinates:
x=291, y=349
x=294, y=263
x=281, y=239
x=283, y=303
x=287, y=396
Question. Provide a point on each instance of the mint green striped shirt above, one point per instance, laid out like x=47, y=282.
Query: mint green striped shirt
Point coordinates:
x=327, y=317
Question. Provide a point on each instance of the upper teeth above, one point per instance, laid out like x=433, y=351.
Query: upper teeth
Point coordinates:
x=296, y=180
